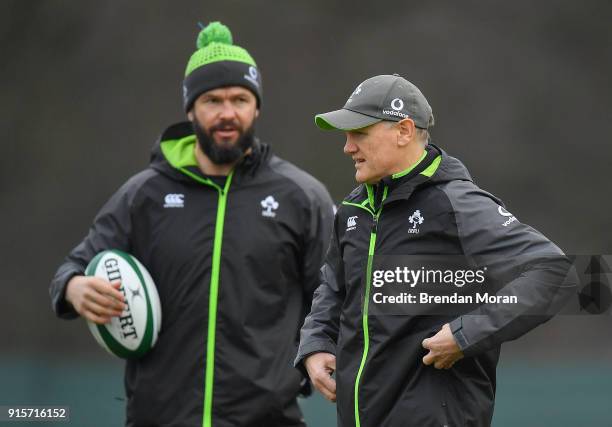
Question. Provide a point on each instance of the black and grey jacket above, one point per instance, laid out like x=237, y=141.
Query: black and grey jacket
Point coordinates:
x=239, y=258
x=381, y=379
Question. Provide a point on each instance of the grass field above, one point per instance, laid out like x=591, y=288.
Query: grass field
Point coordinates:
x=529, y=396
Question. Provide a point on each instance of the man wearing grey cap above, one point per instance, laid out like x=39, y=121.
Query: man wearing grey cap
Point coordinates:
x=405, y=369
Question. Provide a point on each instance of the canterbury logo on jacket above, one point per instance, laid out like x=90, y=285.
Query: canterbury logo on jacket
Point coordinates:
x=433, y=208
x=235, y=262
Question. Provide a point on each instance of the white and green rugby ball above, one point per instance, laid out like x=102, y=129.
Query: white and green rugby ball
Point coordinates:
x=134, y=333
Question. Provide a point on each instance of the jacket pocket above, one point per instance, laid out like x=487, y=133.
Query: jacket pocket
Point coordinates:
x=447, y=393
x=450, y=407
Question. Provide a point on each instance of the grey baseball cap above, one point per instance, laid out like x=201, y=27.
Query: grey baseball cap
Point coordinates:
x=384, y=97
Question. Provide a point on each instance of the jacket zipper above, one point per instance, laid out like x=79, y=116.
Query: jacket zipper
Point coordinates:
x=214, y=291
x=364, y=316
x=366, y=300
x=212, y=302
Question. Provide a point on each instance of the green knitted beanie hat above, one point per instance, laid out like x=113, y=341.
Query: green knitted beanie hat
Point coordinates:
x=219, y=63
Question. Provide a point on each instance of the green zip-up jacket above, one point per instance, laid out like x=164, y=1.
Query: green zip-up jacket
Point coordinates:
x=431, y=211
x=235, y=265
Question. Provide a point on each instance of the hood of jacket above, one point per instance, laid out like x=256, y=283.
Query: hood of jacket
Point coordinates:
x=173, y=154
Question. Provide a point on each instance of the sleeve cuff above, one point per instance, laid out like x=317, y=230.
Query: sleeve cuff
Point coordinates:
x=456, y=327
x=63, y=308
x=311, y=348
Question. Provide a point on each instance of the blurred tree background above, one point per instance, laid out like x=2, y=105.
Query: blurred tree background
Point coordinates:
x=520, y=91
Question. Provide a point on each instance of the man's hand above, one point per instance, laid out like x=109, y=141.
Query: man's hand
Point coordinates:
x=95, y=299
x=443, y=349
x=320, y=367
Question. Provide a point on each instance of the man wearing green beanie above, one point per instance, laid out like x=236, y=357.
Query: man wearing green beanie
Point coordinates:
x=233, y=237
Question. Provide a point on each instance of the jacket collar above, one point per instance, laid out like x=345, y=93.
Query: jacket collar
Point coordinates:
x=435, y=168
x=172, y=154
x=400, y=186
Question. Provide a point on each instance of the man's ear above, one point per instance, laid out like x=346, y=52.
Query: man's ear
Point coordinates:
x=257, y=113
x=407, y=131
x=190, y=115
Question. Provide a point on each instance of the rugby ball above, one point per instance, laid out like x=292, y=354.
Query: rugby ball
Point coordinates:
x=134, y=333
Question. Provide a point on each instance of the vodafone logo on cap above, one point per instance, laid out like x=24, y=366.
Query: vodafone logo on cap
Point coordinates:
x=397, y=104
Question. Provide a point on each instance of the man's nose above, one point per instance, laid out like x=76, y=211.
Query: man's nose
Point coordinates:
x=228, y=112
x=349, y=147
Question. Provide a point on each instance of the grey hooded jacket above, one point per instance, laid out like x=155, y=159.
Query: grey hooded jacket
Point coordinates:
x=235, y=265
x=432, y=209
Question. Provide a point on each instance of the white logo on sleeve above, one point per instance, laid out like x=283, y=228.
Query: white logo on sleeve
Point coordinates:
x=252, y=76
x=415, y=219
x=351, y=223
x=269, y=205
x=174, y=201
x=503, y=212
